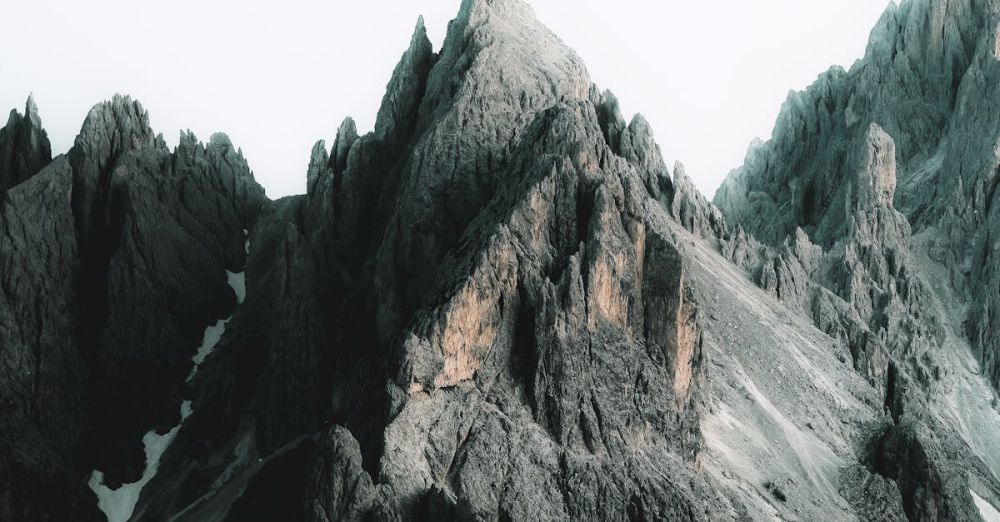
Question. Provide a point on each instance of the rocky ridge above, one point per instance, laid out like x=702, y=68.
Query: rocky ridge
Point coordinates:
x=905, y=128
x=501, y=304
x=106, y=253
x=926, y=80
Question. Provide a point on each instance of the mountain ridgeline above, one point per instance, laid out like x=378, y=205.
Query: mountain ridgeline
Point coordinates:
x=501, y=304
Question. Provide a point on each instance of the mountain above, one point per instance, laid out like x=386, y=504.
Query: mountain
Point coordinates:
x=501, y=304
x=24, y=147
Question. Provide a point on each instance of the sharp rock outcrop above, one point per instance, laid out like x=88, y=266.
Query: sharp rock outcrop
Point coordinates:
x=24, y=147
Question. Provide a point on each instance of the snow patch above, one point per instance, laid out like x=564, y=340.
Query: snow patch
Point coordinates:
x=988, y=512
x=238, y=282
x=118, y=504
x=213, y=334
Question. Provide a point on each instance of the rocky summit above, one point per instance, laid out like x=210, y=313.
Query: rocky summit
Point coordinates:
x=501, y=304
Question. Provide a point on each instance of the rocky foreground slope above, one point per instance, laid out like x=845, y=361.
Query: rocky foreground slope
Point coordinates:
x=501, y=304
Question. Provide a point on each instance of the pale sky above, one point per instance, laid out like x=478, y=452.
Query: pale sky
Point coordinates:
x=277, y=76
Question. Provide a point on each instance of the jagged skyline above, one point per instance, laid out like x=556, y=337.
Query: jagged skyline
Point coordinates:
x=302, y=67
x=502, y=304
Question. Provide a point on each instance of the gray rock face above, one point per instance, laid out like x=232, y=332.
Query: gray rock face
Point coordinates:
x=547, y=256
x=339, y=488
x=43, y=375
x=540, y=339
x=156, y=231
x=106, y=252
x=692, y=210
x=924, y=81
x=24, y=147
x=525, y=362
x=501, y=304
x=860, y=288
x=906, y=128
x=910, y=83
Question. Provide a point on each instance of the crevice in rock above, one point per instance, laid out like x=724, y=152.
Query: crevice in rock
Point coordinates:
x=585, y=199
x=892, y=405
x=99, y=230
x=808, y=205
x=524, y=352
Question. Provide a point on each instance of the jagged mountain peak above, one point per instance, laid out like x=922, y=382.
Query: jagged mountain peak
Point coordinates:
x=24, y=147
x=503, y=14
x=31, y=115
x=499, y=45
x=347, y=134
x=396, y=114
x=923, y=60
x=121, y=118
x=31, y=111
x=936, y=37
x=501, y=304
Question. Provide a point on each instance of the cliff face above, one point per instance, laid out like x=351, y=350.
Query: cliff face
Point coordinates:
x=502, y=305
x=491, y=290
x=114, y=259
x=878, y=187
x=927, y=80
x=24, y=147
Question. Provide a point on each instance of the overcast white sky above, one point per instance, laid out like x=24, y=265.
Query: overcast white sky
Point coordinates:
x=277, y=76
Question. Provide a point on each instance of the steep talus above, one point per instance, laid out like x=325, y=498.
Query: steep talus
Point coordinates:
x=501, y=304
x=911, y=127
x=788, y=413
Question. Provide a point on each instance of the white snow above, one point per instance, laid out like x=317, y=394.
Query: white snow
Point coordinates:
x=989, y=513
x=238, y=282
x=118, y=504
x=213, y=334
